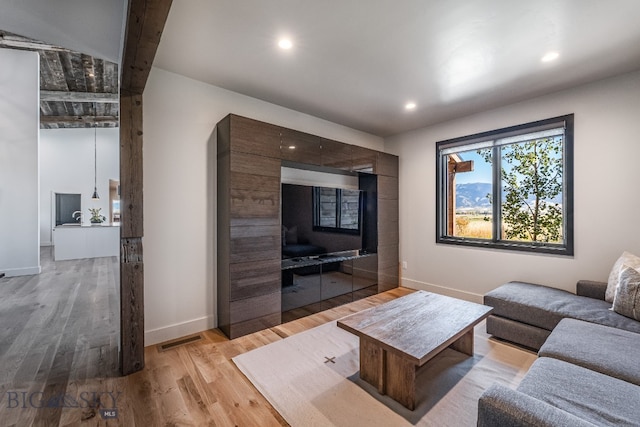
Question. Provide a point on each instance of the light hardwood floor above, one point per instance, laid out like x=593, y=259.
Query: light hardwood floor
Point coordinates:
x=194, y=384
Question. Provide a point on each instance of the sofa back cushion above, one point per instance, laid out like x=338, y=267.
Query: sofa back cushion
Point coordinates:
x=627, y=298
x=627, y=258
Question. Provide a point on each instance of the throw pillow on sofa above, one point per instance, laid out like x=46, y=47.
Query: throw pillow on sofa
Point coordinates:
x=627, y=258
x=627, y=299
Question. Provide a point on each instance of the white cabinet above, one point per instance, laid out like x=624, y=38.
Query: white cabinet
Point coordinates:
x=76, y=242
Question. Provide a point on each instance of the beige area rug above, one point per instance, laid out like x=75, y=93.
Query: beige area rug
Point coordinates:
x=312, y=379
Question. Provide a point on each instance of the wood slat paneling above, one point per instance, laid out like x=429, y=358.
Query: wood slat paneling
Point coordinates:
x=254, y=243
x=256, y=307
x=388, y=233
x=223, y=237
x=388, y=165
x=388, y=256
x=251, y=204
x=363, y=159
x=254, y=165
x=335, y=154
x=257, y=230
x=247, y=327
x=255, y=137
x=388, y=210
x=387, y=187
x=306, y=147
x=248, y=280
x=387, y=278
x=254, y=221
x=246, y=181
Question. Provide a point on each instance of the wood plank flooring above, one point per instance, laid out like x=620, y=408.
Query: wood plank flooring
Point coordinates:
x=194, y=384
x=58, y=327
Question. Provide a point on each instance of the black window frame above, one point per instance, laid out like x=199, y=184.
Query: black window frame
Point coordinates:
x=566, y=249
x=337, y=228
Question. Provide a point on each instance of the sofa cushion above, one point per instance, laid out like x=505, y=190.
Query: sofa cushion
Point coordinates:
x=589, y=395
x=610, y=351
x=502, y=406
x=545, y=307
x=627, y=299
x=614, y=276
x=517, y=332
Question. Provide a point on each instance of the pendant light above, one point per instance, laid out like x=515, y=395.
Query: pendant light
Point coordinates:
x=95, y=156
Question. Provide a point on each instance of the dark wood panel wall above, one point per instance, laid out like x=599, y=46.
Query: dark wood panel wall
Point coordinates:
x=250, y=155
x=388, y=229
x=248, y=225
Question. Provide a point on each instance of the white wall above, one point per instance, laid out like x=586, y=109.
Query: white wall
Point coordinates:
x=67, y=166
x=180, y=115
x=606, y=177
x=19, y=122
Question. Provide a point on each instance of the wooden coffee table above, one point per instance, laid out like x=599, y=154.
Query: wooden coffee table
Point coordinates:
x=398, y=337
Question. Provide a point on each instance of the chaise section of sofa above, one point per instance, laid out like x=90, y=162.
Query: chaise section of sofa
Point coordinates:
x=603, y=349
x=526, y=313
x=557, y=393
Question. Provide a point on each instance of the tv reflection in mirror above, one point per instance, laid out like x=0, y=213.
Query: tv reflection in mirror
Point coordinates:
x=320, y=220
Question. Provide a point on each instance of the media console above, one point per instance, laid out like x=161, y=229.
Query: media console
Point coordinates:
x=316, y=283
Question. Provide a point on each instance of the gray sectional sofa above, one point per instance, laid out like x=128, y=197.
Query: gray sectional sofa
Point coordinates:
x=588, y=370
x=525, y=313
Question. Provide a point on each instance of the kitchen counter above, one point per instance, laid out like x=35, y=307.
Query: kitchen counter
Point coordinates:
x=73, y=241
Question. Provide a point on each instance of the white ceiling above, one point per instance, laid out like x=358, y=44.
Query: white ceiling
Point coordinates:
x=357, y=62
x=93, y=27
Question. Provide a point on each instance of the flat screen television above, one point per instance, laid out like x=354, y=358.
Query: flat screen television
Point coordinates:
x=320, y=220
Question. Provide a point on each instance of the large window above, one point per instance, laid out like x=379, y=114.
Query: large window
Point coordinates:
x=510, y=188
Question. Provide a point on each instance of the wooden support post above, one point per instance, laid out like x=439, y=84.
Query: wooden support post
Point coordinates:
x=131, y=232
x=144, y=27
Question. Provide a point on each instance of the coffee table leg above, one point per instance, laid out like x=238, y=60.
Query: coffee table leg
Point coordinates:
x=372, y=364
x=464, y=344
x=401, y=380
x=390, y=374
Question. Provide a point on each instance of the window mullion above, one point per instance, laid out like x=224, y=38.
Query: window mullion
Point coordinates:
x=338, y=208
x=496, y=193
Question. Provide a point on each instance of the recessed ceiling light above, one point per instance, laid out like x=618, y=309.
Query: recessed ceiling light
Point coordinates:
x=285, y=43
x=550, y=56
x=410, y=106
x=292, y=147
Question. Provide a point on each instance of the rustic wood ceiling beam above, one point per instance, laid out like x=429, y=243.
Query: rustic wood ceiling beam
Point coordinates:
x=64, y=96
x=78, y=119
x=21, y=43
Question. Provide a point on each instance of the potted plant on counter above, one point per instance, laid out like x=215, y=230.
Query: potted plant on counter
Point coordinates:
x=96, y=218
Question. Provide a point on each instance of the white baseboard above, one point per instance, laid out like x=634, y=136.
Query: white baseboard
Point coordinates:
x=171, y=332
x=28, y=271
x=455, y=293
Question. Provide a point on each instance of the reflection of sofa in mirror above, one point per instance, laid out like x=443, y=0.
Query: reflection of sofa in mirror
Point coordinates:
x=310, y=224
x=302, y=250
